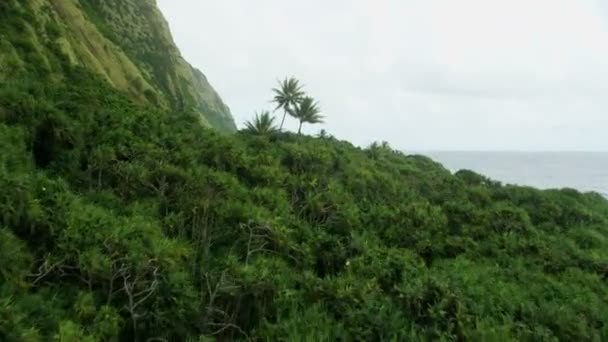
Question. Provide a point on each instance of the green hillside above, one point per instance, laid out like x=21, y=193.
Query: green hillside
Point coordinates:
x=120, y=222
x=127, y=42
x=122, y=218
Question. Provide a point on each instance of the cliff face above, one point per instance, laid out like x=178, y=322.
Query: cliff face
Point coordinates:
x=128, y=42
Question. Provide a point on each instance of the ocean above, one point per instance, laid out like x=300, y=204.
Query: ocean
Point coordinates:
x=584, y=171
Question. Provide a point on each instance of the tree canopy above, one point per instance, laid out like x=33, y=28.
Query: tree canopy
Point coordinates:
x=126, y=223
x=262, y=124
x=307, y=111
x=287, y=96
x=291, y=97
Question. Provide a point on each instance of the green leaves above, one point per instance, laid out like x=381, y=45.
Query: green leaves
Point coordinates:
x=287, y=96
x=263, y=124
x=15, y=259
x=307, y=111
x=143, y=225
x=294, y=101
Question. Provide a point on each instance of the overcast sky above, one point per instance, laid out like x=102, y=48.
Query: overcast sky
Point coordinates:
x=420, y=74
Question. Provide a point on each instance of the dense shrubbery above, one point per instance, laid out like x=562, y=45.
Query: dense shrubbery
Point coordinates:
x=125, y=223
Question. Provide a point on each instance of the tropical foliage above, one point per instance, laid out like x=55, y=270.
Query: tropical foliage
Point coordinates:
x=127, y=42
x=287, y=96
x=262, y=124
x=293, y=100
x=307, y=111
x=120, y=223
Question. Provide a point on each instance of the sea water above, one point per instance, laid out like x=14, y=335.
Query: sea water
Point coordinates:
x=584, y=171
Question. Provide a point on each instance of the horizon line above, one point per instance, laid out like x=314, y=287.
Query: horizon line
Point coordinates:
x=506, y=151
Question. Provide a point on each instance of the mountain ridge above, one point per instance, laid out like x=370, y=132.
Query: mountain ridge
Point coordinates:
x=128, y=222
x=128, y=43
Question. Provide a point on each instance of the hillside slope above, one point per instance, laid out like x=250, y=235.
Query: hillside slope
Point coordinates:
x=127, y=42
x=123, y=223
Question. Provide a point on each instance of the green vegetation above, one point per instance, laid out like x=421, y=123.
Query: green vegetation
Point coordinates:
x=307, y=111
x=138, y=28
x=122, y=218
x=122, y=222
x=125, y=42
x=293, y=100
x=262, y=124
x=287, y=96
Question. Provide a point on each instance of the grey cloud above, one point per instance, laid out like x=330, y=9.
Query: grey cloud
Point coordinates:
x=421, y=75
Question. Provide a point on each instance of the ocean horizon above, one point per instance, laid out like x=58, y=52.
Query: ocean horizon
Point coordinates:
x=586, y=171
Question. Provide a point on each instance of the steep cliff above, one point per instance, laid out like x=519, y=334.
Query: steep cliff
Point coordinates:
x=128, y=42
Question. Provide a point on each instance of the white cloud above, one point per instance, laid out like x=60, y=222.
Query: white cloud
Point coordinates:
x=437, y=74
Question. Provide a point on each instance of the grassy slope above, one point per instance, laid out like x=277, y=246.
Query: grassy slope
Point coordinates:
x=269, y=238
x=119, y=221
x=126, y=42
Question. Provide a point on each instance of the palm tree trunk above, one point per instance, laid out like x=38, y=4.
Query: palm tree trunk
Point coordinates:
x=300, y=128
x=283, y=121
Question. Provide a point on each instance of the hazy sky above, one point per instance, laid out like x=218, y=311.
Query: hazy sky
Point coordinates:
x=420, y=74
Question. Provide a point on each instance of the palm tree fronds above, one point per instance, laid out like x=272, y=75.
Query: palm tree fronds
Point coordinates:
x=262, y=124
x=307, y=111
x=287, y=96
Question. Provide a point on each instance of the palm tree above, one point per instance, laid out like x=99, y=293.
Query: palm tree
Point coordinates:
x=323, y=134
x=307, y=111
x=287, y=96
x=262, y=124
